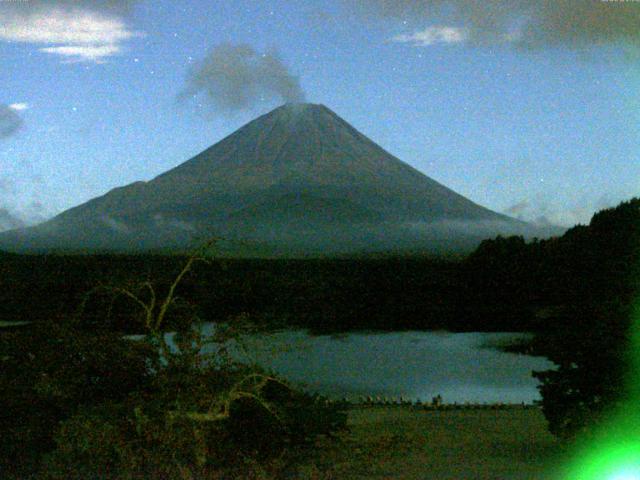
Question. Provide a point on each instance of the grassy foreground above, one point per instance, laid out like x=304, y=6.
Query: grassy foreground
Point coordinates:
x=403, y=443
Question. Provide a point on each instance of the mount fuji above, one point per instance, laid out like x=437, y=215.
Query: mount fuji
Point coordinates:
x=296, y=181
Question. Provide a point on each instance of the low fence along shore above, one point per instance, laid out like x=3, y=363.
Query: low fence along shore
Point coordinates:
x=436, y=403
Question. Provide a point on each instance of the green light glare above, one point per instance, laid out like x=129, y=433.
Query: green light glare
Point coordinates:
x=631, y=474
x=608, y=462
x=613, y=451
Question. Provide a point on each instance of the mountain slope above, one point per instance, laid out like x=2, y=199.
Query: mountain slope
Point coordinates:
x=299, y=177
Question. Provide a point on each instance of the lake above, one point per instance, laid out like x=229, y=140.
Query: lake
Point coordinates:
x=415, y=365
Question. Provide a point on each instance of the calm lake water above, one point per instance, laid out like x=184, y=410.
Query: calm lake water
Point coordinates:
x=416, y=365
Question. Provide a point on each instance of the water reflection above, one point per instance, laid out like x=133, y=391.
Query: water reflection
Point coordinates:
x=416, y=365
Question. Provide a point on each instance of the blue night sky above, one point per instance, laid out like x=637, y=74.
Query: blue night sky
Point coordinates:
x=531, y=122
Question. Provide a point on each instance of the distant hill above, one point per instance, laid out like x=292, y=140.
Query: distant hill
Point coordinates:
x=297, y=181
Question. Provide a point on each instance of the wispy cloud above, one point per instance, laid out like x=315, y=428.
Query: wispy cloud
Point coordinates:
x=433, y=35
x=522, y=23
x=10, y=121
x=540, y=212
x=28, y=215
x=77, y=31
x=9, y=221
x=237, y=77
x=19, y=107
x=518, y=209
x=84, y=53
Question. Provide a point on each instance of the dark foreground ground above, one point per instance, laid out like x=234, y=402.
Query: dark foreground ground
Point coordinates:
x=406, y=443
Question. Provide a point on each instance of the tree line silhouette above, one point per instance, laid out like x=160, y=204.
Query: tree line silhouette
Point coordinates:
x=583, y=287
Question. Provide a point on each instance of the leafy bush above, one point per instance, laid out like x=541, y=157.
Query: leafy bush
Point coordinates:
x=81, y=404
x=50, y=372
x=175, y=433
x=591, y=367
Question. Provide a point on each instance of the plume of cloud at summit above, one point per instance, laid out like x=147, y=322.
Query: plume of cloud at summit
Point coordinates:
x=233, y=78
